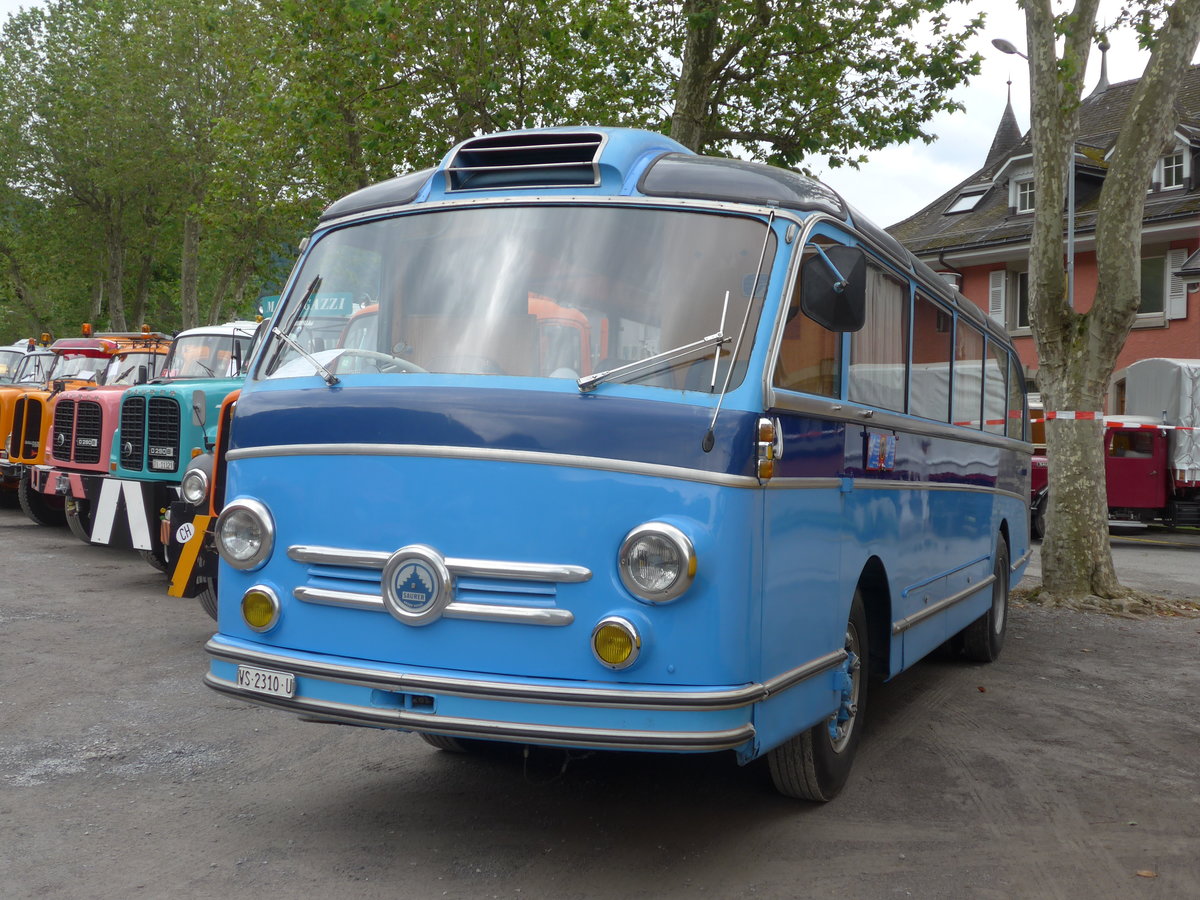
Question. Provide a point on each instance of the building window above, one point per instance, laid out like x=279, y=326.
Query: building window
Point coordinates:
x=1154, y=278
x=1173, y=172
x=1025, y=196
x=1021, y=313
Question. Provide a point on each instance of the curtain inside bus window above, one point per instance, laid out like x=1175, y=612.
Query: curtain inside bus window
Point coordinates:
x=995, y=401
x=930, y=392
x=968, y=375
x=878, y=353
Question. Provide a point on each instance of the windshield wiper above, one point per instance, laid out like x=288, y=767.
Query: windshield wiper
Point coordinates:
x=330, y=378
x=589, y=382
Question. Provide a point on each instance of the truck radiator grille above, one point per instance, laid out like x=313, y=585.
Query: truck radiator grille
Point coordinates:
x=62, y=433
x=162, y=435
x=133, y=433
x=89, y=422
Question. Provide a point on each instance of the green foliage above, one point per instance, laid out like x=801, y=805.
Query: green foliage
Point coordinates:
x=126, y=125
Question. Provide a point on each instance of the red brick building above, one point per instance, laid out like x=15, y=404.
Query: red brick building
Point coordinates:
x=977, y=234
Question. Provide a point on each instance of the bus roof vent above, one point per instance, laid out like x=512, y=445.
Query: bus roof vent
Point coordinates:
x=532, y=159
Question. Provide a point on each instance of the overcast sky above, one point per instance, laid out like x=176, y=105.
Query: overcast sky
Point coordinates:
x=899, y=181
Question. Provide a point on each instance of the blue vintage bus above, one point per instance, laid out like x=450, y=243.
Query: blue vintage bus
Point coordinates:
x=646, y=451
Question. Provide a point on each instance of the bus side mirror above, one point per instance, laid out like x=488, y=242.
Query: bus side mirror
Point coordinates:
x=143, y=375
x=198, y=401
x=833, y=290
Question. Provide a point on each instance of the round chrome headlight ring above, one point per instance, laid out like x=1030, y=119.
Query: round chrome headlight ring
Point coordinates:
x=657, y=562
x=245, y=534
x=194, y=487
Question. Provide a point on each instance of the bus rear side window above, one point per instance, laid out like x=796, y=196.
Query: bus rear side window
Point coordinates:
x=930, y=393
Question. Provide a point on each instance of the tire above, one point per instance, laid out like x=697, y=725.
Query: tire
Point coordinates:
x=815, y=764
x=8, y=498
x=983, y=639
x=208, y=596
x=446, y=742
x=1037, y=518
x=157, y=558
x=41, y=508
x=79, y=519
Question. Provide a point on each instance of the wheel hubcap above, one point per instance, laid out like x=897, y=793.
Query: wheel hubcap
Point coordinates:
x=849, y=682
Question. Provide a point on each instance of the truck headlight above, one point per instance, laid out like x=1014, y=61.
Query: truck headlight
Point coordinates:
x=657, y=562
x=245, y=534
x=194, y=487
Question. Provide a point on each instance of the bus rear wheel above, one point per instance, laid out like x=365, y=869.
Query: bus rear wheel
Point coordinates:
x=44, y=509
x=983, y=639
x=815, y=764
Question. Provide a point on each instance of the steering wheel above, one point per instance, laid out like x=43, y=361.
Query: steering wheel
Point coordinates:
x=387, y=362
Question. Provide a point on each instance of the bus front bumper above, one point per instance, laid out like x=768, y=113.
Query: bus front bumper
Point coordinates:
x=539, y=711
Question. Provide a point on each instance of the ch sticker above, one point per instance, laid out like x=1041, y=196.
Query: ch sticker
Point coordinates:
x=185, y=532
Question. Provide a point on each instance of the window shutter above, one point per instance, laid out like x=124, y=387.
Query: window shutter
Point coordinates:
x=1176, y=299
x=996, y=283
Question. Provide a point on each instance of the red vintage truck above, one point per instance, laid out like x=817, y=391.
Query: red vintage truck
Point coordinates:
x=1151, y=450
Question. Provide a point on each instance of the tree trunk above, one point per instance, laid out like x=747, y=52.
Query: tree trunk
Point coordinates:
x=1077, y=352
x=690, y=118
x=189, y=272
x=114, y=276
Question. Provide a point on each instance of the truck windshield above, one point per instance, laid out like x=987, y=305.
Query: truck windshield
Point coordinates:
x=549, y=291
x=124, y=369
x=206, y=356
x=9, y=360
x=84, y=368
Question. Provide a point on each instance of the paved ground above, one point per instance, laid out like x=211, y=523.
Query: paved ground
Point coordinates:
x=1062, y=771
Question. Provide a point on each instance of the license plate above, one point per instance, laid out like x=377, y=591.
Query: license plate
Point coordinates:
x=166, y=464
x=264, y=681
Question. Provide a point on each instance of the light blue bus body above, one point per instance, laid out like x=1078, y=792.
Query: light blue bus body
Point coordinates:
x=454, y=548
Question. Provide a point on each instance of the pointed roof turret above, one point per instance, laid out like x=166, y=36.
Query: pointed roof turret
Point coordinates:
x=1008, y=134
x=1102, y=84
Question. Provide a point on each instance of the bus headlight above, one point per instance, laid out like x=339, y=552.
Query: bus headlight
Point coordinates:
x=194, y=487
x=657, y=562
x=245, y=534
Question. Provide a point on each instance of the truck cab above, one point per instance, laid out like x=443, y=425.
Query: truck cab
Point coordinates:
x=161, y=425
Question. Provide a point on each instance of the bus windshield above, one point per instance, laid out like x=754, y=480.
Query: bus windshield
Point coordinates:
x=548, y=291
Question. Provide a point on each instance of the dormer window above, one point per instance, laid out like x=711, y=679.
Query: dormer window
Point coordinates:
x=1025, y=196
x=1172, y=171
x=965, y=202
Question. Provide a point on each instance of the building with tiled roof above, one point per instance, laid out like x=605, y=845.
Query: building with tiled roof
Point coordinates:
x=978, y=233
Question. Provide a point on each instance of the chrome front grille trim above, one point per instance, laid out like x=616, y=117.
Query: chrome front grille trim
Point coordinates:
x=479, y=612
x=465, y=568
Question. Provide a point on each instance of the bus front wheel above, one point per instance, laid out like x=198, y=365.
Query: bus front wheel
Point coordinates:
x=815, y=764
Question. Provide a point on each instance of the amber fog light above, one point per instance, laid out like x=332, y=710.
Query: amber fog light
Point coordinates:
x=616, y=642
x=260, y=608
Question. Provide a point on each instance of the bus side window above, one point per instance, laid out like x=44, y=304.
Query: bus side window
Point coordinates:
x=929, y=395
x=808, y=354
x=879, y=352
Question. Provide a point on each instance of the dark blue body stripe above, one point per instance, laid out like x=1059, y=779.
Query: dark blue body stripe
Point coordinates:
x=596, y=425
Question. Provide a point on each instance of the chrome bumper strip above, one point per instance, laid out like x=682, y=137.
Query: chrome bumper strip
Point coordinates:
x=555, y=735
x=414, y=683
x=902, y=625
x=1024, y=559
